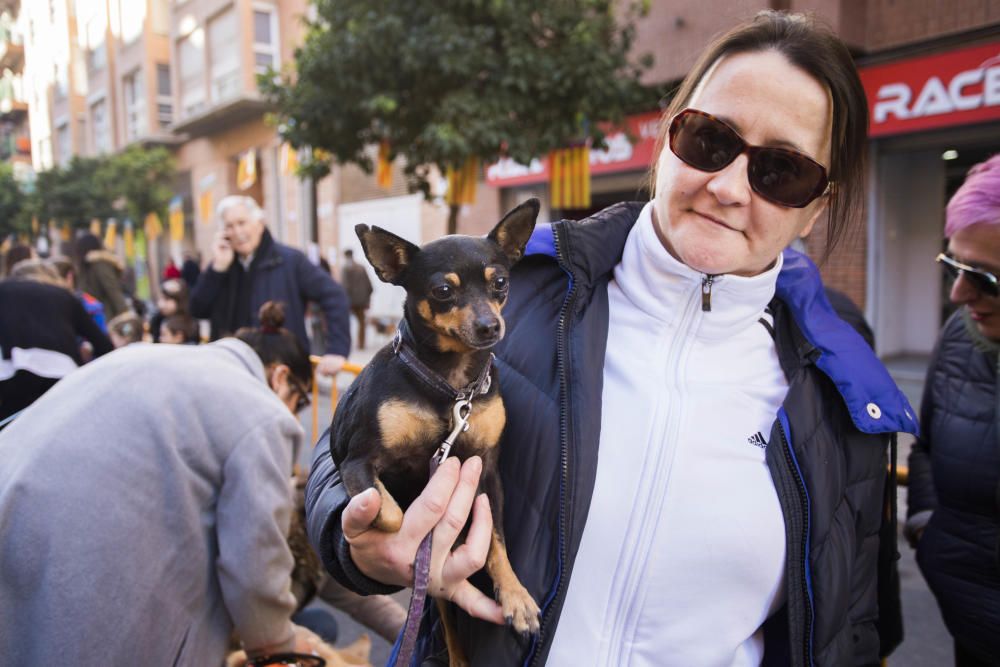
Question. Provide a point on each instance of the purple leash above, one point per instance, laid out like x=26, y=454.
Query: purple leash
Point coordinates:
x=422, y=562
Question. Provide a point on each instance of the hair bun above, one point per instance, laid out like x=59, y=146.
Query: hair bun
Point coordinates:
x=272, y=316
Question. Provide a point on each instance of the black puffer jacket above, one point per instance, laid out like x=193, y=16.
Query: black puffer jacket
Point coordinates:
x=829, y=468
x=955, y=472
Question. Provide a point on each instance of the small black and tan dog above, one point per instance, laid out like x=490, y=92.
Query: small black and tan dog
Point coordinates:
x=407, y=400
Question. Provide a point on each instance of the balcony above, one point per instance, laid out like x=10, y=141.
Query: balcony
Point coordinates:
x=11, y=50
x=12, y=105
x=224, y=115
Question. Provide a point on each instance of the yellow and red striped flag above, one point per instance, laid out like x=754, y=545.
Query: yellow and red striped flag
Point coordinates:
x=289, y=159
x=462, y=183
x=383, y=167
x=152, y=226
x=570, y=177
x=175, y=219
x=246, y=170
x=111, y=235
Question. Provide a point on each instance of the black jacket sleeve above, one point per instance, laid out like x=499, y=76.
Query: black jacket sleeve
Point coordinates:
x=319, y=287
x=325, y=501
x=920, y=494
x=205, y=292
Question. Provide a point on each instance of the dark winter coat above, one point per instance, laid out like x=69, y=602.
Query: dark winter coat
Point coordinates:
x=827, y=457
x=40, y=331
x=101, y=277
x=277, y=273
x=955, y=472
x=357, y=283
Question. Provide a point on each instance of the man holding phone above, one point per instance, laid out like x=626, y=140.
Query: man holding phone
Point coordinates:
x=249, y=267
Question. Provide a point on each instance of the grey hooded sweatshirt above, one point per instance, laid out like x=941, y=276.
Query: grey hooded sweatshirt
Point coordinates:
x=144, y=503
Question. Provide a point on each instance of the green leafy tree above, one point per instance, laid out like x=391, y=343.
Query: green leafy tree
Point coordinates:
x=76, y=193
x=15, y=213
x=445, y=81
x=141, y=180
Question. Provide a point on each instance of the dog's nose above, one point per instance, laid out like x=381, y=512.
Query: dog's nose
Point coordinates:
x=487, y=327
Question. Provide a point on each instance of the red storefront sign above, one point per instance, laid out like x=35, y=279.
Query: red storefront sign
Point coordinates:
x=621, y=155
x=956, y=88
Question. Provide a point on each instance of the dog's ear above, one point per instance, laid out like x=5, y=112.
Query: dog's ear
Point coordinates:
x=388, y=253
x=512, y=233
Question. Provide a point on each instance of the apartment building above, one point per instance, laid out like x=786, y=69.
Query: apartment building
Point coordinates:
x=103, y=74
x=15, y=138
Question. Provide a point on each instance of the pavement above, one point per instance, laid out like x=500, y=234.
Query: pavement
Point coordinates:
x=926, y=641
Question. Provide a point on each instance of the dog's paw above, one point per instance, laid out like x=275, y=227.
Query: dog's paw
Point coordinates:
x=519, y=609
x=389, y=519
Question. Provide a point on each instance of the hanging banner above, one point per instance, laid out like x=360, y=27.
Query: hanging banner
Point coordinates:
x=205, y=207
x=570, y=183
x=383, y=168
x=152, y=226
x=246, y=170
x=141, y=269
x=621, y=155
x=128, y=237
x=462, y=183
x=111, y=235
x=289, y=159
x=176, y=219
x=65, y=233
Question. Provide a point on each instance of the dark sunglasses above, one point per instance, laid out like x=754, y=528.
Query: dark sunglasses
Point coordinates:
x=779, y=175
x=983, y=281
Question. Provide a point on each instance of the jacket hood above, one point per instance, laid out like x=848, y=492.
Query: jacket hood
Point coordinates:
x=589, y=250
x=874, y=401
x=105, y=256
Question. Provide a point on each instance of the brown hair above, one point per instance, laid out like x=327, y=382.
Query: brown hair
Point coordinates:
x=183, y=324
x=815, y=49
x=276, y=345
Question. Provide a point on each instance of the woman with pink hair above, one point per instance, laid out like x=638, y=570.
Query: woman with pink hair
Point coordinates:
x=954, y=496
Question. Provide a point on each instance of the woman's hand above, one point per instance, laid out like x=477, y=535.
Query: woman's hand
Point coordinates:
x=443, y=507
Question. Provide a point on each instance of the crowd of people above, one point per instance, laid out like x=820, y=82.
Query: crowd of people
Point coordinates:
x=716, y=487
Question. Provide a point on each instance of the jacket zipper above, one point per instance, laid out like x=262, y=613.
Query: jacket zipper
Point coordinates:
x=803, y=558
x=561, y=351
x=706, y=292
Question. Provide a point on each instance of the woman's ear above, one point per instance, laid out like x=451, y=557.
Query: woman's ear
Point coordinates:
x=277, y=377
x=822, y=208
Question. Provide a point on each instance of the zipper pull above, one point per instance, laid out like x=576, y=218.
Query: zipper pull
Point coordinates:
x=706, y=293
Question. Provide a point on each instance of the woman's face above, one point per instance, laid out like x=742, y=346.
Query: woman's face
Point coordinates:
x=978, y=246
x=714, y=222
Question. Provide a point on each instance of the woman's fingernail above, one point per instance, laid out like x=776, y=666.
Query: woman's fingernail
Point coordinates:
x=366, y=498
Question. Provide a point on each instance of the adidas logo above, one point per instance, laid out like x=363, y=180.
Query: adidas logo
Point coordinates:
x=757, y=440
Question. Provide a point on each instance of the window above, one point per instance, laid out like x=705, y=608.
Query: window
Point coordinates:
x=63, y=144
x=265, y=38
x=95, y=30
x=224, y=56
x=191, y=61
x=102, y=130
x=97, y=57
x=60, y=80
x=164, y=101
x=136, y=121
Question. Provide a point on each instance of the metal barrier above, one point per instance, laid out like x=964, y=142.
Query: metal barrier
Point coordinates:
x=354, y=369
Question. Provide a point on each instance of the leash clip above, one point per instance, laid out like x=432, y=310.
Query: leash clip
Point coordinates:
x=460, y=418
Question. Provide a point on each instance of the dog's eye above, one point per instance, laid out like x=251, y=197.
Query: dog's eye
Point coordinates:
x=500, y=284
x=443, y=292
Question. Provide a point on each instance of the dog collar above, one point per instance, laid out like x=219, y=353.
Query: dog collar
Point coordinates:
x=402, y=347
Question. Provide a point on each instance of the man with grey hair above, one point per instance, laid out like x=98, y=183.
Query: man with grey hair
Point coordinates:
x=249, y=267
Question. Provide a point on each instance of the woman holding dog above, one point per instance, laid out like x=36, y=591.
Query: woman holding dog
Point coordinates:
x=695, y=466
